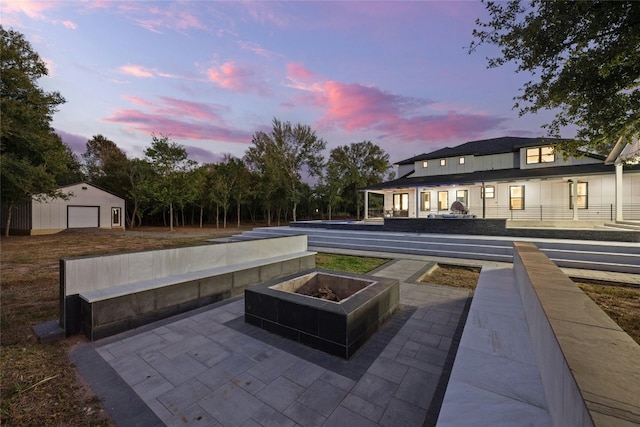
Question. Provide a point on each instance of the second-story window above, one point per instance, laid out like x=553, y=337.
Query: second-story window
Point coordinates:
x=541, y=155
x=443, y=162
x=461, y=161
x=425, y=164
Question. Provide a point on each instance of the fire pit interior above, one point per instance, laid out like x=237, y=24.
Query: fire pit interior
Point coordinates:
x=345, y=312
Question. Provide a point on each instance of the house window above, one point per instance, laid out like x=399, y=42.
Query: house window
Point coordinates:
x=401, y=202
x=488, y=192
x=425, y=201
x=443, y=162
x=461, y=161
x=583, y=195
x=425, y=164
x=443, y=200
x=545, y=154
x=461, y=196
x=516, y=197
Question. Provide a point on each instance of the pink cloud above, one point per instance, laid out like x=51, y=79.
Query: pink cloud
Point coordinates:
x=355, y=108
x=32, y=8
x=137, y=71
x=136, y=100
x=257, y=49
x=196, y=110
x=440, y=127
x=70, y=25
x=237, y=78
x=300, y=76
x=180, y=119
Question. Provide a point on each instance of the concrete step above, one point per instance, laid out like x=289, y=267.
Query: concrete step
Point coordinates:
x=603, y=256
x=622, y=225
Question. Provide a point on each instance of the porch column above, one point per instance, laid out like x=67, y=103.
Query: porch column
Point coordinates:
x=574, y=189
x=366, y=204
x=619, y=191
x=417, y=203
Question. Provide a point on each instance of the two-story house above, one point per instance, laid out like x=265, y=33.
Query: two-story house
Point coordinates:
x=513, y=178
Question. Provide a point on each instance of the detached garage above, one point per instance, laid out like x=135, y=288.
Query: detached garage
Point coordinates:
x=88, y=207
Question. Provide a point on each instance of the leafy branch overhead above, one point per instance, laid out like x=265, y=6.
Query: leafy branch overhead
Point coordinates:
x=584, y=57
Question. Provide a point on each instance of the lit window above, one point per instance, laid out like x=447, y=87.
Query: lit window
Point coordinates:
x=443, y=200
x=401, y=202
x=545, y=154
x=516, y=197
x=425, y=201
x=443, y=162
x=461, y=196
x=583, y=195
x=461, y=160
x=489, y=192
x=425, y=164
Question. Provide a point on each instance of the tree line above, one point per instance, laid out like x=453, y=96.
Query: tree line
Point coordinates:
x=282, y=176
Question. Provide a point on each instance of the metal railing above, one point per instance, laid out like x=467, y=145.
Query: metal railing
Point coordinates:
x=604, y=212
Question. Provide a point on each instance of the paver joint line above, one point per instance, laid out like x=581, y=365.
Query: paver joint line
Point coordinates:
x=230, y=372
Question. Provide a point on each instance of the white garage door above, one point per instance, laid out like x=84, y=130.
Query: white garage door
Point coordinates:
x=83, y=216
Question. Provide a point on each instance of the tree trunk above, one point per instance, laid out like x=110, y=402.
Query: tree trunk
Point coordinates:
x=201, y=214
x=171, y=216
x=295, y=209
x=217, y=215
x=238, y=207
x=224, y=217
x=8, y=224
x=330, y=212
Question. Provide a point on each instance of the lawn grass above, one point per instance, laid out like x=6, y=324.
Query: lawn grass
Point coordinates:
x=348, y=263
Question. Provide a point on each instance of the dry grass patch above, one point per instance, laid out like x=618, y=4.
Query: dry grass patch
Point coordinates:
x=39, y=384
x=621, y=303
x=453, y=275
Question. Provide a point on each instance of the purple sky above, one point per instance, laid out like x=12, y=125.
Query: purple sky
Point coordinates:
x=209, y=74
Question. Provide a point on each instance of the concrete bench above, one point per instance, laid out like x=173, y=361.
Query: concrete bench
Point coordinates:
x=108, y=294
x=536, y=350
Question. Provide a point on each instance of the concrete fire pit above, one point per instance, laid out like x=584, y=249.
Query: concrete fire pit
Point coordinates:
x=336, y=327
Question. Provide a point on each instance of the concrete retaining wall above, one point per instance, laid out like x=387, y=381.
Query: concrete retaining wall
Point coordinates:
x=589, y=366
x=85, y=275
x=475, y=227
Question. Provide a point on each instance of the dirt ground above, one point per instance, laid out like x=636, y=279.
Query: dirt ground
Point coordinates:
x=39, y=385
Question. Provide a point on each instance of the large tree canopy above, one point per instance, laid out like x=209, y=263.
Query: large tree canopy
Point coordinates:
x=106, y=165
x=34, y=159
x=355, y=166
x=282, y=155
x=584, y=57
x=170, y=162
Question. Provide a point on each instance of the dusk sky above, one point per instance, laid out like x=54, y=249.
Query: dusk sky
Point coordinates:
x=209, y=74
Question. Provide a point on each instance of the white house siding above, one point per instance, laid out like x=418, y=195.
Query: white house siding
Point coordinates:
x=546, y=199
x=494, y=161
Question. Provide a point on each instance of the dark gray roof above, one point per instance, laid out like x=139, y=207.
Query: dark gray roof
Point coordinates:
x=500, y=175
x=506, y=144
